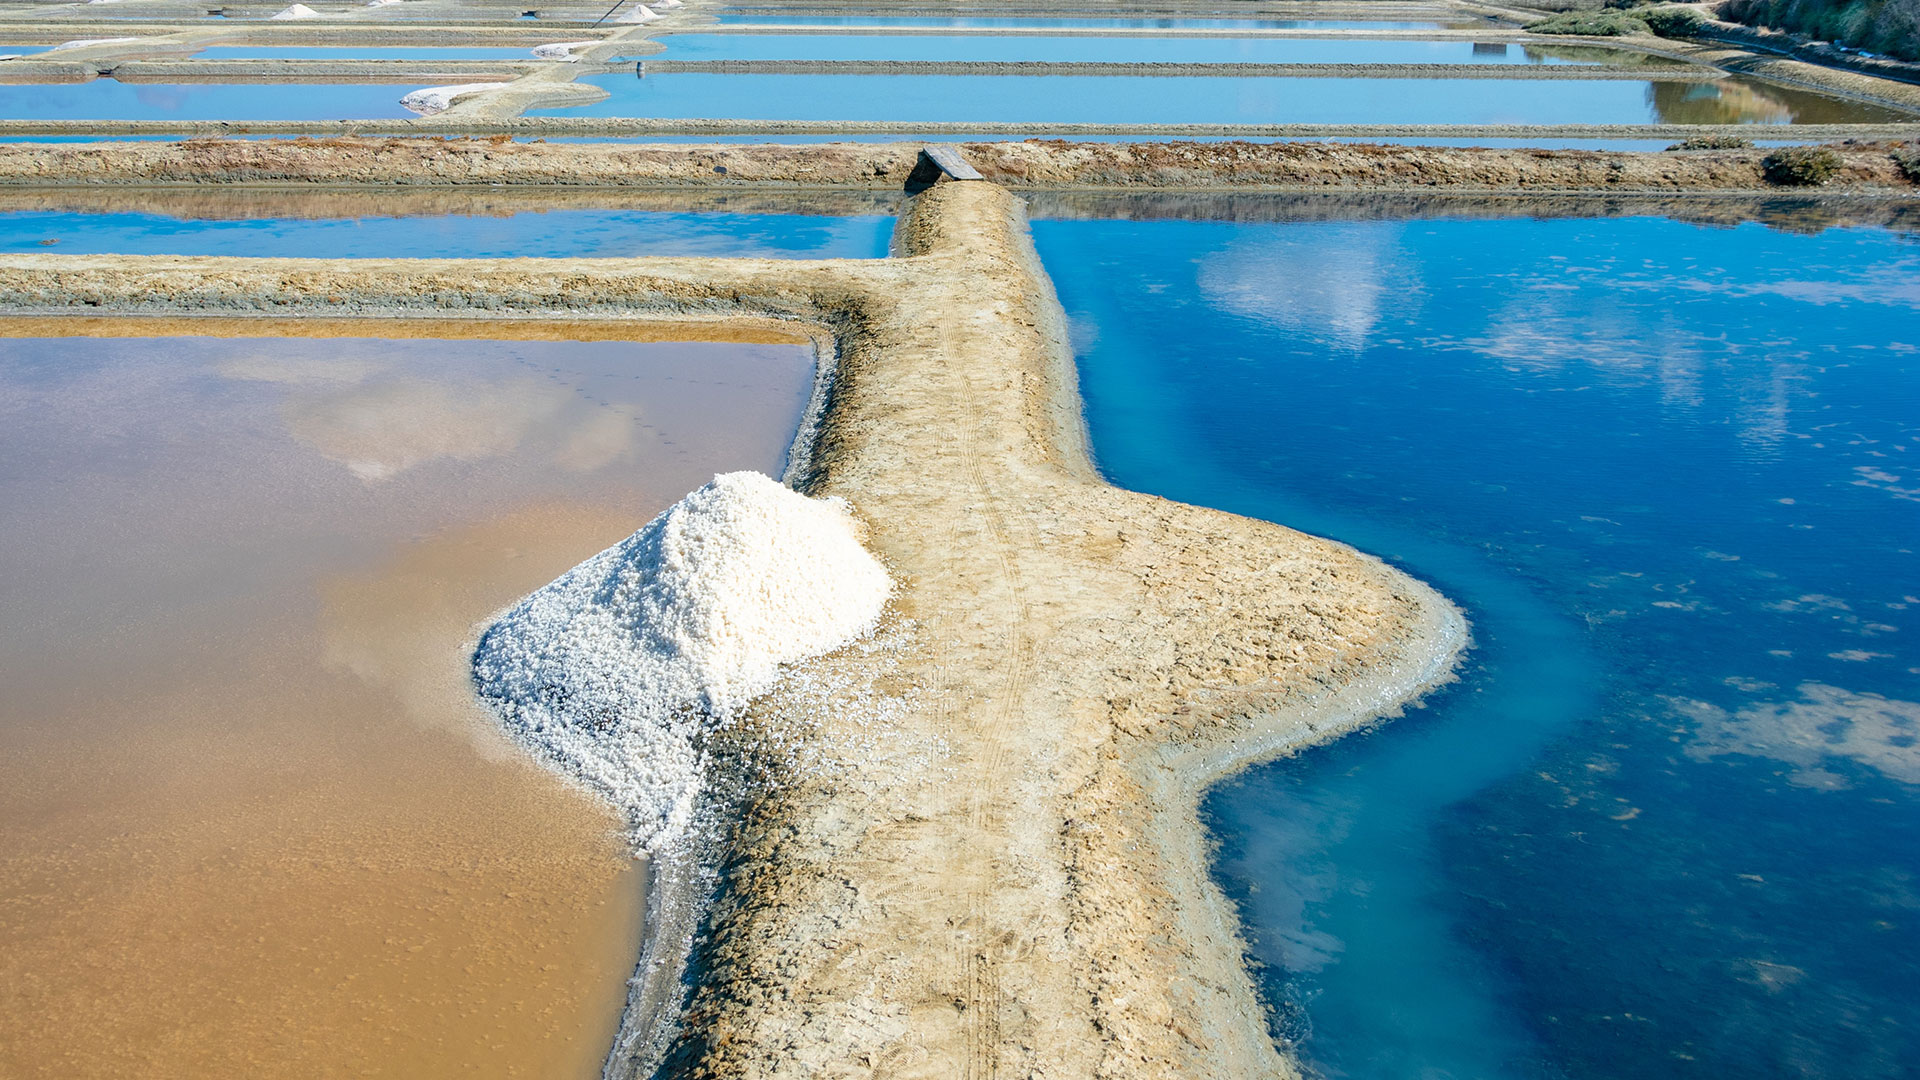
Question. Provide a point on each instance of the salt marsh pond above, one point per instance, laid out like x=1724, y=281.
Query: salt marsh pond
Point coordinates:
x=252, y=821
x=1663, y=824
x=427, y=53
x=503, y=233
x=108, y=99
x=1125, y=50
x=1211, y=99
x=858, y=22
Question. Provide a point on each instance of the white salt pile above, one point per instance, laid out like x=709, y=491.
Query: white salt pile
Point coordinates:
x=639, y=13
x=614, y=671
x=561, y=50
x=438, y=99
x=89, y=42
x=295, y=11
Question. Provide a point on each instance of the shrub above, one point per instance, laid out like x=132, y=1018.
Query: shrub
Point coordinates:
x=1590, y=24
x=1800, y=166
x=1713, y=142
x=1908, y=159
x=1672, y=22
x=1882, y=26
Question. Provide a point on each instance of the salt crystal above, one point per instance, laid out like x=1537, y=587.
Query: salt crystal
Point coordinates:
x=612, y=673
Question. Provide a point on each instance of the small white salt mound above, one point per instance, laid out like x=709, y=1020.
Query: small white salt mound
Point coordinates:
x=85, y=42
x=612, y=672
x=561, y=50
x=381, y=3
x=438, y=99
x=667, y=5
x=296, y=11
x=639, y=13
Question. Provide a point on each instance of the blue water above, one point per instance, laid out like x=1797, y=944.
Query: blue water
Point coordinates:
x=570, y=233
x=1665, y=825
x=1242, y=100
x=383, y=52
x=1128, y=50
x=106, y=99
x=778, y=19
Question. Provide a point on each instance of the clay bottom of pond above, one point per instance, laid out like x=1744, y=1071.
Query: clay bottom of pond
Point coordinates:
x=251, y=820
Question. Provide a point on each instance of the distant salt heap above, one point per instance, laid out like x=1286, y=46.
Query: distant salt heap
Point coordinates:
x=438, y=99
x=562, y=50
x=612, y=672
x=639, y=13
x=86, y=43
x=296, y=11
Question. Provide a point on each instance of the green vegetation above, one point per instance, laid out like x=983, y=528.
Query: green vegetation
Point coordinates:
x=1713, y=142
x=1800, y=166
x=1612, y=21
x=1891, y=27
x=1590, y=24
x=1672, y=22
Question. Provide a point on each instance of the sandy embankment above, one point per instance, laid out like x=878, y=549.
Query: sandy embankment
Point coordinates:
x=982, y=857
x=414, y=164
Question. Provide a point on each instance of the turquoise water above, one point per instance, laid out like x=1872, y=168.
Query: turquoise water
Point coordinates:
x=1243, y=100
x=384, y=52
x=570, y=233
x=1664, y=826
x=1129, y=50
x=106, y=99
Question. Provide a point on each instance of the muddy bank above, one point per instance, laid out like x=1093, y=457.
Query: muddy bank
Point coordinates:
x=1034, y=164
x=979, y=854
x=1788, y=213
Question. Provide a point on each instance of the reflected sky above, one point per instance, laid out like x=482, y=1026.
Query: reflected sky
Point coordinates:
x=784, y=19
x=1192, y=50
x=428, y=53
x=1223, y=100
x=108, y=99
x=530, y=233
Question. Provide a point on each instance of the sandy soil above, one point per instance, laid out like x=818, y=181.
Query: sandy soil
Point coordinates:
x=1032, y=900
x=1031, y=165
x=979, y=855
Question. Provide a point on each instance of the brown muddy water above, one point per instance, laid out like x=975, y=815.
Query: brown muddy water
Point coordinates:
x=252, y=821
